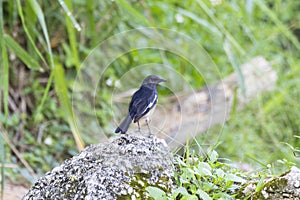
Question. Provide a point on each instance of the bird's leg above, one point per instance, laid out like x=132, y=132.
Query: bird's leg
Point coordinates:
x=147, y=122
x=139, y=126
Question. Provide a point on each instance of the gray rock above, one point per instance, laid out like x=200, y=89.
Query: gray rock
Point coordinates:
x=118, y=169
x=285, y=186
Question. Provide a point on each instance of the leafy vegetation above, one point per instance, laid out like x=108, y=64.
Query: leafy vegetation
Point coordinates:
x=207, y=176
x=43, y=46
x=203, y=178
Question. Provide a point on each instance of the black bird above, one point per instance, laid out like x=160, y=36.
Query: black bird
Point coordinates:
x=141, y=103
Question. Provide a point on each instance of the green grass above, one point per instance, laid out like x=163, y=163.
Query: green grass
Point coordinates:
x=266, y=132
x=72, y=26
x=43, y=46
x=4, y=77
x=4, y=67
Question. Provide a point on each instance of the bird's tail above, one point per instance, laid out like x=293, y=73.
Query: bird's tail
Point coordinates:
x=124, y=125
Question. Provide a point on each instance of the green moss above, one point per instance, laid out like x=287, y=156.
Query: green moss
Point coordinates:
x=274, y=186
x=140, y=181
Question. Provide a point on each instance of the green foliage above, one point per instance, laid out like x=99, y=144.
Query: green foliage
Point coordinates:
x=203, y=177
x=244, y=137
x=156, y=193
x=4, y=83
x=207, y=178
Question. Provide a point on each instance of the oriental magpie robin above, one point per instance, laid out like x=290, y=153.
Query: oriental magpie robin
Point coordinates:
x=141, y=103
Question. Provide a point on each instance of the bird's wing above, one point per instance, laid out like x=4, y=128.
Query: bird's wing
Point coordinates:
x=142, y=101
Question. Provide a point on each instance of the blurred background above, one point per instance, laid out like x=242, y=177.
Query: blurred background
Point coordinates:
x=44, y=43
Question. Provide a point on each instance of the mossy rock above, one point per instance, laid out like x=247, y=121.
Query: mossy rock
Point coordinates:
x=286, y=186
x=118, y=169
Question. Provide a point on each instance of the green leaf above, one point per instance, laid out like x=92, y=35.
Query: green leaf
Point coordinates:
x=203, y=195
x=180, y=190
x=181, y=163
x=220, y=173
x=260, y=185
x=234, y=178
x=189, y=197
x=203, y=169
x=213, y=156
x=156, y=193
x=21, y=53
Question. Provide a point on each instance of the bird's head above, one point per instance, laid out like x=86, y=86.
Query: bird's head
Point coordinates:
x=153, y=79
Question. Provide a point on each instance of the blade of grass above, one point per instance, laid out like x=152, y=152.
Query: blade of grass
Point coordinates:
x=36, y=115
x=62, y=92
x=133, y=12
x=69, y=13
x=11, y=14
x=229, y=39
x=4, y=63
x=234, y=106
x=278, y=23
x=255, y=159
x=236, y=67
x=70, y=21
x=92, y=24
x=4, y=135
x=40, y=15
x=21, y=53
x=220, y=26
x=199, y=20
x=20, y=11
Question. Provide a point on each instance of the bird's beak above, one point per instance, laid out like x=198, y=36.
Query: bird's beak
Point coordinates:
x=162, y=80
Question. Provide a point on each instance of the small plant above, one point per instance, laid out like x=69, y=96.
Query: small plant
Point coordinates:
x=203, y=177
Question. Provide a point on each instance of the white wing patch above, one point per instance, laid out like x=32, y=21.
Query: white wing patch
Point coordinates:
x=150, y=105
